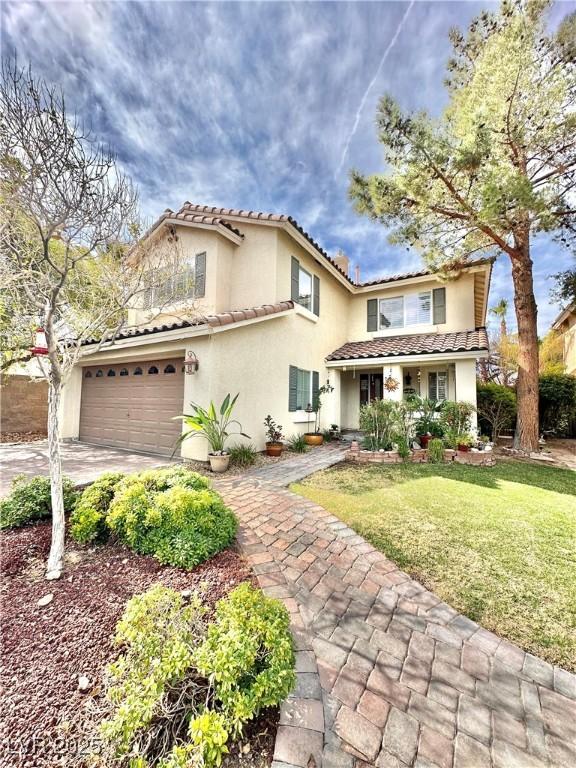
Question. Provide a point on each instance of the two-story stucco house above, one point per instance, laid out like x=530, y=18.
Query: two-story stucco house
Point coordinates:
x=277, y=317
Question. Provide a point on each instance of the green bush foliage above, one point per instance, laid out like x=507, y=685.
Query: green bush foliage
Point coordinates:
x=242, y=455
x=29, y=500
x=435, y=451
x=181, y=688
x=248, y=654
x=557, y=402
x=88, y=521
x=171, y=514
x=297, y=444
x=496, y=408
x=159, y=633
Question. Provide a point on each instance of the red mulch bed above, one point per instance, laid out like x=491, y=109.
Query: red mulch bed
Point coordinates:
x=21, y=437
x=44, y=650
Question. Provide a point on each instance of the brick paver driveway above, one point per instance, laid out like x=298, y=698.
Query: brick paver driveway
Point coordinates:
x=83, y=463
x=388, y=675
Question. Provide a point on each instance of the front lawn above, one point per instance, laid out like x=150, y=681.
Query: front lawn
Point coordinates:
x=498, y=544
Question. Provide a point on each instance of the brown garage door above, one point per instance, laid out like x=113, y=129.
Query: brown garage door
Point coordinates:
x=131, y=405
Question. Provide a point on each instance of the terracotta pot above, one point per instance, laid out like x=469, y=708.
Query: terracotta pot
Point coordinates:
x=424, y=440
x=274, y=449
x=313, y=438
x=219, y=463
x=464, y=448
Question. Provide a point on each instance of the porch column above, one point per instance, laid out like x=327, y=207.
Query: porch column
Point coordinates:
x=466, y=384
x=331, y=403
x=394, y=372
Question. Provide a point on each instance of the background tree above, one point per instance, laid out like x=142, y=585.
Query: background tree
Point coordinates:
x=71, y=255
x=552, y=354
x=496, y=408
x=494, y=170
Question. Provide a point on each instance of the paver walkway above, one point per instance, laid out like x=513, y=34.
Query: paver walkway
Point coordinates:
x=388, y=674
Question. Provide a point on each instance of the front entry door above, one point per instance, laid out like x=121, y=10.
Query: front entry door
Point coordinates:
x=371, y=387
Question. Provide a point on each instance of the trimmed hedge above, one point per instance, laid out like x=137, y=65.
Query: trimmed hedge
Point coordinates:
x=30, y=500
x=169, y=513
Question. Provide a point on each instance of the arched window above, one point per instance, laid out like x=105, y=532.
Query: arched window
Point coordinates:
x=152, y=369
x=138, y=371
x=111, y=372
x=169, y=369
x=88, y=375
x=124, y=372
x=99, y=374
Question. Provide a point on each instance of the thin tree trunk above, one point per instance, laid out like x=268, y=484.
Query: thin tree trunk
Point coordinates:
x=527, y=429
x=55, y=558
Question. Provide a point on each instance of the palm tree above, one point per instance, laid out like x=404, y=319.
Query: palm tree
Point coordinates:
x=500, y=310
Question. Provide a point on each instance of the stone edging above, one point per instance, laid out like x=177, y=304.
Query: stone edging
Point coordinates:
x=420, y=456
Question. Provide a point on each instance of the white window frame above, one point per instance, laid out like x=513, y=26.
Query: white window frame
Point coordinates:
x=438, y=374
x=403, y=297
x=298, y=389
x=188, y=268
x=310, y=305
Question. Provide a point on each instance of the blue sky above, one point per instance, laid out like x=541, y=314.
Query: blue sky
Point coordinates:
x=264, y=106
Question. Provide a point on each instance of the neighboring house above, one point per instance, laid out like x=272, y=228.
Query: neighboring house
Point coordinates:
x=565, y=324
x=277, y=318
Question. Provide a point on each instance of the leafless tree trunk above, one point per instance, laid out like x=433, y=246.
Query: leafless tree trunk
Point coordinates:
x=55, y=558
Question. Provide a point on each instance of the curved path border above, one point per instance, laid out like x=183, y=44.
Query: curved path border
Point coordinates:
x=388, y=674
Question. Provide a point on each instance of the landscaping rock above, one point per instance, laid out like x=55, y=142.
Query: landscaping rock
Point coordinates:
x=83, y=683
x=46, y=600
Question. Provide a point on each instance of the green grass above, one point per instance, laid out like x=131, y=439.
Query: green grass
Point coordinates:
x=498, y=544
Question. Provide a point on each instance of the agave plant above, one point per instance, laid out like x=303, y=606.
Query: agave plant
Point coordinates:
x=213, y=424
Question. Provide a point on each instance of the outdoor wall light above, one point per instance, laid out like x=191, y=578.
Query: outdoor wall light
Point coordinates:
x=191, y=363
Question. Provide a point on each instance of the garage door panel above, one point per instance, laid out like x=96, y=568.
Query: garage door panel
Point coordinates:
x=133, y=411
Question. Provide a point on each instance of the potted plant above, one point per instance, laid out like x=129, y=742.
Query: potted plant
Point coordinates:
x=214, y=425
x=427, y=425
x=316, y=437
x=464, y=442
x=274, y=444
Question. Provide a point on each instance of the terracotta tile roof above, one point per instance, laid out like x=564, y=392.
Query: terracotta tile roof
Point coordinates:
x=211, y=211
x=419, y=344
x=420, y=273
x=214, y=321
x=185, y=215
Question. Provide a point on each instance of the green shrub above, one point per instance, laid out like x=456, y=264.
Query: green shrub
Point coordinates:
x=179, y=689
x=456, y=417
x=557, y=402
x=159, y=633
x=242, y=455
x=328, y=435
x=248, y=654
x=496, y=408
x=88, y=521
x=435, y=451
x=297, y=444
x=403, y=448
x=29, y=500
x=171, y=514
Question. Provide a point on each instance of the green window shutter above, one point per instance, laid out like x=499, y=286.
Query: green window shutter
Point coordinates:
x=432, y=386
x=200, y=275
x=439, y=304
x=293, y=389
x=295, y=290
x=315, y=387
x=372, y=318
x=316, y=308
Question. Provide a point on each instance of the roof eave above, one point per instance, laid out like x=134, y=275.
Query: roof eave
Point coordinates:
x=366, y=362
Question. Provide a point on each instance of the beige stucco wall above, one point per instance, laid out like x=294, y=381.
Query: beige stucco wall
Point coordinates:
x=459, y=308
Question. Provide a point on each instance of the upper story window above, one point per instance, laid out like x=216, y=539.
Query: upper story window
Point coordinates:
x=421, y=308
x=166, y=287
x=402, y=311
x=305, y=288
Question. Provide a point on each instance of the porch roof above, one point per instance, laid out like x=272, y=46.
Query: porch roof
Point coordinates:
x=475, y=340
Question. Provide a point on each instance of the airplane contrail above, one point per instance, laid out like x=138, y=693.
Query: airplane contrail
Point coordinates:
x=371, y=85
